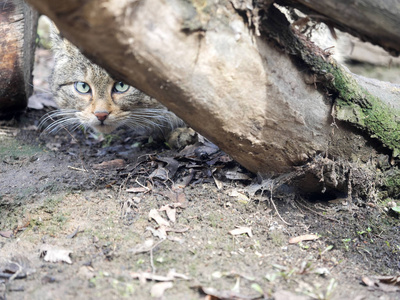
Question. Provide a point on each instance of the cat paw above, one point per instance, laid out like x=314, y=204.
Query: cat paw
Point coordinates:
x=181, y=137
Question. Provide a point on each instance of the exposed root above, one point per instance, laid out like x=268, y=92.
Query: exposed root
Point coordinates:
x=276, y=210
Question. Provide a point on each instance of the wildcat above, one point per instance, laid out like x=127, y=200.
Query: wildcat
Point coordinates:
x=89, y=97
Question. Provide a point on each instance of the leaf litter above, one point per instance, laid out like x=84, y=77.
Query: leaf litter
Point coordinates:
x=383, y=283
x=195, y=184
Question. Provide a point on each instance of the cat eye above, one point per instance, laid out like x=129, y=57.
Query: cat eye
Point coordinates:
x=82, y=87
x=120, y=87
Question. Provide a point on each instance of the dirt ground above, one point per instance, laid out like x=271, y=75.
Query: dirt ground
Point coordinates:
x=86, y=217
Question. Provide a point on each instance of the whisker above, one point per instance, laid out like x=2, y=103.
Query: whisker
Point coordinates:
x=153, y=118
x=60, y=119
x=145, y=122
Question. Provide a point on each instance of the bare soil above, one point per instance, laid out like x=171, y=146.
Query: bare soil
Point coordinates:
x=74, y=228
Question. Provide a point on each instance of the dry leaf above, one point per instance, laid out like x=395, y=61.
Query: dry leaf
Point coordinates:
x=158, y=289
x=217, y=294
x=111, y=164
x=388, y=284
x=51, y=254
x=53, y=146
x=9, y=131
x=240, y=230
x=140, y=189
x=235, y=175
x=395, y=280
x=160, y=232
x=154, y=214
x=306, y=237
x=173, y=274
x=218, y=183
x=181, y=198
x=150, y=276
x=184, y=181
x=171, y=212
x=199, y=150
x=6, y=234
x=177, y=196
x=160, y=173
x=144, y=247
x=367, y=281
x=178, y=204
x=17, y=267
x=241, y=197
x=172, y=164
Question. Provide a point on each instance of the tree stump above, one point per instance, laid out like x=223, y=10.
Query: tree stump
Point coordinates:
x=18, y=23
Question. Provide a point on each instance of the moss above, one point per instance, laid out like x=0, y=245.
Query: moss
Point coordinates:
x=11, y=147
x=363, y=110
x=392, y=183
x=353, y=103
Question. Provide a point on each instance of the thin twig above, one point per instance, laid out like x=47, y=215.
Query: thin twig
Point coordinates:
x=277, y=212
x=15, y=275
x=77, y=169
x=153, y=268
x=317, y=213
x=276, y=209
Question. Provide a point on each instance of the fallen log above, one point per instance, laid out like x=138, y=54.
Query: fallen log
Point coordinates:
x=370, y=20
x=270, y=105
x=18, y=23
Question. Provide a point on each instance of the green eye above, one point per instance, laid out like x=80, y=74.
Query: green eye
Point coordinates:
x=120, y=87
x=82, y=87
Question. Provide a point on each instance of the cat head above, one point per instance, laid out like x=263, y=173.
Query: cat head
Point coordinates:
x=88, y=96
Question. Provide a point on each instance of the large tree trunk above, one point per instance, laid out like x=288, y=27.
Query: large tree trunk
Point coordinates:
x=205, y=62
x=17, y=47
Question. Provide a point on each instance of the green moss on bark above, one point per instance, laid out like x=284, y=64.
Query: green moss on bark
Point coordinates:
x=356, y=105
x=392, y=183
x=352, y=102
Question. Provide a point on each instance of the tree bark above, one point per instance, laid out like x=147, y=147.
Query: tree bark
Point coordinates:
x=371, y=20
x=18, y=24
x=204, y=61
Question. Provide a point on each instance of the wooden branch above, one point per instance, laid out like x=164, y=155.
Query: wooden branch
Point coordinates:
x=206, y=65
x=17, y=47
x=375, y=21
x=367, y=104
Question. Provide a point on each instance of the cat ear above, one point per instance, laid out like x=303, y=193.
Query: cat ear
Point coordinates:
x=57, y=41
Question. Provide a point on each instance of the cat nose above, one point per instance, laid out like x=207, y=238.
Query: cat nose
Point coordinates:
x=101, y=115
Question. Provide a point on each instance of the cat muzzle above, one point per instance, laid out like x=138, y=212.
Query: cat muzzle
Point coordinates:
x=101, y=116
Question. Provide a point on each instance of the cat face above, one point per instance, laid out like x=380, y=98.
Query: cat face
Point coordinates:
x=88, y=96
